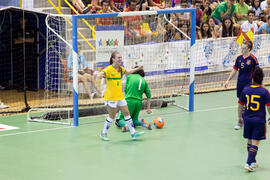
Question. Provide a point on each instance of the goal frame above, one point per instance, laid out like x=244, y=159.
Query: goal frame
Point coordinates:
x=75, y=19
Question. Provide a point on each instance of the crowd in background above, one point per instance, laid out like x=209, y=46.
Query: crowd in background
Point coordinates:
x=214, y=18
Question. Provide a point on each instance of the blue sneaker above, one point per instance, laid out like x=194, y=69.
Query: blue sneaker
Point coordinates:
x=125, y=128
x=104, y=136
x=136, y=134
x=145, y=124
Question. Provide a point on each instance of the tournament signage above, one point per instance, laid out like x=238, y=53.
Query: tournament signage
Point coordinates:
x=108, y=39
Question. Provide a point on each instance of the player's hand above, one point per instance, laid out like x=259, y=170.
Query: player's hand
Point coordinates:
x=226, y=84
x=140, y=67
x=149, y=111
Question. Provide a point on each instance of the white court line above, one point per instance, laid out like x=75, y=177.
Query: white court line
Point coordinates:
x=65, y=127
x=35, y=131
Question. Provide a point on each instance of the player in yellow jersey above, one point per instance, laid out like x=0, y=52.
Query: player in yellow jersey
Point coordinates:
x=114, y=98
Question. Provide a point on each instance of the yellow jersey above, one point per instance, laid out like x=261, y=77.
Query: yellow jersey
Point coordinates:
x=113, y=84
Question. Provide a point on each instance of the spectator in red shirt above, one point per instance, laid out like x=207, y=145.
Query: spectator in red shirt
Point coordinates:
x=199, y=13
x=133, y=25
x=106, y=21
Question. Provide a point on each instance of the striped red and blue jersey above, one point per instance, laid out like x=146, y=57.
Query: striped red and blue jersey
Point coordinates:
x=246, y=68
x=255, y=98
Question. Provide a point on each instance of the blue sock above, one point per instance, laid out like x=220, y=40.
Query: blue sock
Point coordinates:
x=252, y=154
x=248, y=146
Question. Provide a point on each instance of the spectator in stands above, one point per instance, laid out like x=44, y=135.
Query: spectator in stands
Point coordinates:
x=80, y=6
x=204, y=32
x=2, y=105
x=118, y=5
x=223, y=10
x=183, y=17
x=213, y=27
x=105, y=4
x=134, y=28
x=250, y=24
x=256, y=6
x=241, y=11
x=184, y=29
x=176, y=3
x=25, y=55
x=265, y=28
x=199, y=13
x=96, y=5
x=85, y=75
x=144, y=5
x=207, y=10
x=265, y=5
x=227, y=28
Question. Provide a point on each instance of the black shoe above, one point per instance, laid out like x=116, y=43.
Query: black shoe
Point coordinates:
x=31, y=89
x=86, y=9
x=20, y=90
x=117, y=122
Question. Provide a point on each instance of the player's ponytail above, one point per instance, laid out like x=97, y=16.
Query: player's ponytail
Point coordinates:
x=258, y=75
x=113, y=56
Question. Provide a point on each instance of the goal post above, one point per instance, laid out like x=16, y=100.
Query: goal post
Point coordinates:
x=142, y=37
x=75, y=19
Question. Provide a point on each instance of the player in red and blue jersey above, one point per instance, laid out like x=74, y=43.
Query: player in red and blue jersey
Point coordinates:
x=245, y=65
x=254, y=99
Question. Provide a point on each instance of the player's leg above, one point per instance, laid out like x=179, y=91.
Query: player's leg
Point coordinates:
x=111, y=108
x=120, y=120
x=122, y=105
x=255, y=132
x=134, y=107
x=258, y=134
x=240, y=121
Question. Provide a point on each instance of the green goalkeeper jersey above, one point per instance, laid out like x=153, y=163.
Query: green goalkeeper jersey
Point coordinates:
x=136, y=85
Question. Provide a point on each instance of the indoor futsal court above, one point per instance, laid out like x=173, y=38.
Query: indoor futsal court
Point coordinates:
x=62, y=70
x=195, y=146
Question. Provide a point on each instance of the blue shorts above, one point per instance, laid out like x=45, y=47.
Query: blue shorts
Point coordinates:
x=254, y=130
x=240, y=88
x=217, y=21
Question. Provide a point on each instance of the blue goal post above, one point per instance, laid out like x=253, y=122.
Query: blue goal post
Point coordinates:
x=75, y=19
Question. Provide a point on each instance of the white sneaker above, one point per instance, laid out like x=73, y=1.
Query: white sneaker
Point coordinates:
x=254, y=165
x=237, y=126
x=249, y=168
x=2, y=106
x=93, y=95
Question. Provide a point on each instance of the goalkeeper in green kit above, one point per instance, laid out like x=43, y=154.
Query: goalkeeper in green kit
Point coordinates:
x=136, y=85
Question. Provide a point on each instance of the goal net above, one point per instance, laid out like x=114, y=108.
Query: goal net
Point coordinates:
x=80, y=46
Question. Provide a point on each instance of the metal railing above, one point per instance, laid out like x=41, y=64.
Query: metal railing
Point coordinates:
x=58, y=9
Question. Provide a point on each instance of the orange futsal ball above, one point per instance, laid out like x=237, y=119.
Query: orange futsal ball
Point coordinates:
x=159, y=122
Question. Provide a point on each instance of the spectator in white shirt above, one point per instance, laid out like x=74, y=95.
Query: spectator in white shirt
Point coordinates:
x=265, y=5
x=249, y=24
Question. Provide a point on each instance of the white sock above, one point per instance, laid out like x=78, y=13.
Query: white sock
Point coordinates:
x=130, y=124
x=107, y=124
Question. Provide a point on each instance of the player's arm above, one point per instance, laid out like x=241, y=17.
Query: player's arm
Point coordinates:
x=233, y=72
x=131, y=71
x=101, y=74
x=148, y=95
x=148, y=110
x=268, y=109
x=127, y=81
